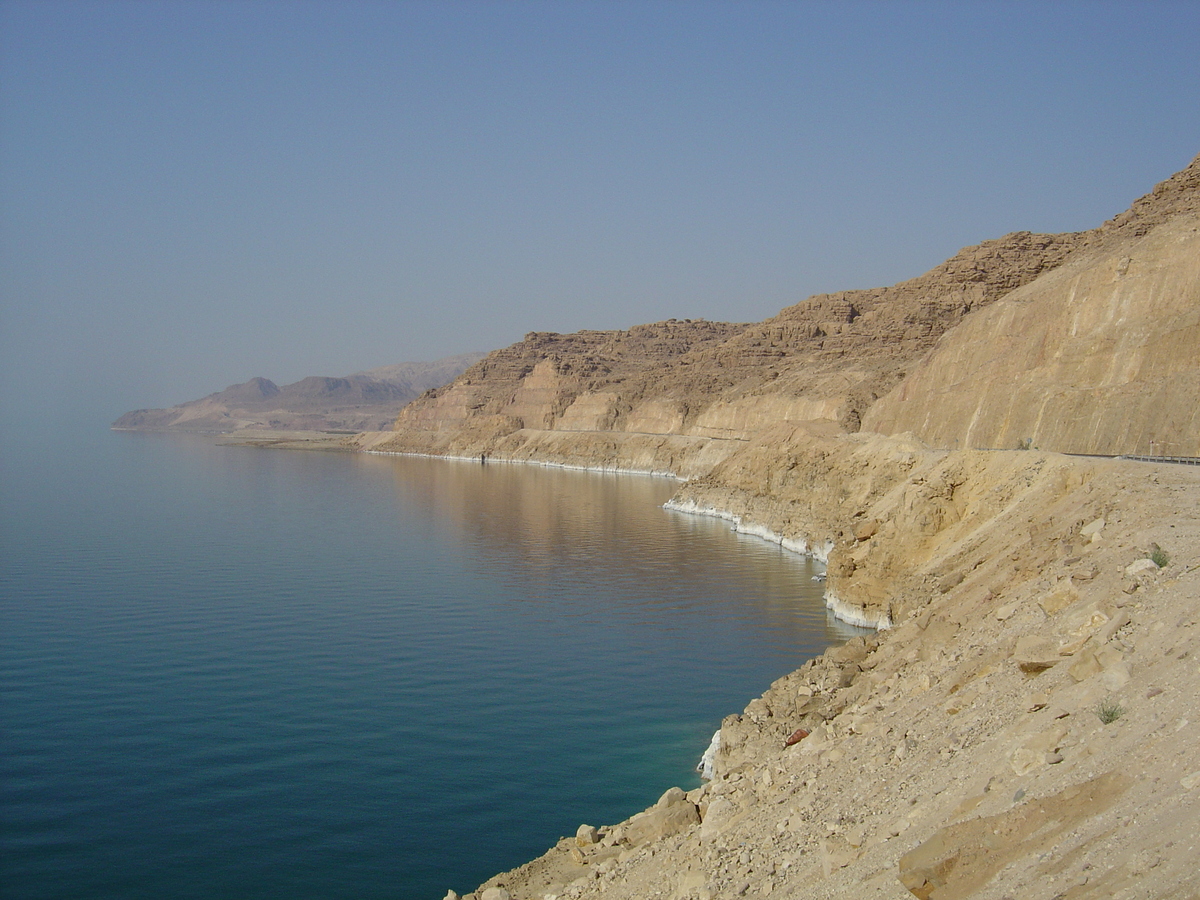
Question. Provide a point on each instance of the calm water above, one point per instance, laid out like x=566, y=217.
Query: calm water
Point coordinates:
x=238, y=673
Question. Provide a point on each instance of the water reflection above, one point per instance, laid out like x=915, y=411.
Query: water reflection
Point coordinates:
x=581, y=541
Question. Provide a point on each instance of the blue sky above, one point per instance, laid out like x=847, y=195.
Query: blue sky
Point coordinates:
x=192, y=194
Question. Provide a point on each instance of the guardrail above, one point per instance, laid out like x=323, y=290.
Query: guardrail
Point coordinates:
x=1177, y=460
x=1180, y=460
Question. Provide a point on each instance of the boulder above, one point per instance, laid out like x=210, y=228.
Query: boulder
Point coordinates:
x=673, y=813
x=1139, y=566
x=866, y=530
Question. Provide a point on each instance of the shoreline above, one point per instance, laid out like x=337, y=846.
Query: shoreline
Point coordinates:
x=844, y=612
x=1022, y=604
x=545, y=464
x=868, y=771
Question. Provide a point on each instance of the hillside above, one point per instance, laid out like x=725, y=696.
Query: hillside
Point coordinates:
x=833, y=356
x=363, y=401
x=1019, y=724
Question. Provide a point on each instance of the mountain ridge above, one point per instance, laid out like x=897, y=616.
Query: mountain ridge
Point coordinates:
x=361, y=401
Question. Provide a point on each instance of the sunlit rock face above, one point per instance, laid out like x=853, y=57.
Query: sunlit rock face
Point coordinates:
x=1082, y=342
x=1099, y=356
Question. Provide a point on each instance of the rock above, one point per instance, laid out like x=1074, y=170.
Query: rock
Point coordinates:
x=1004, y=613
x=1034, y=702
x=1085, y=666
x=673, y=813
x=670, y=797
x=1085, y=574
x=495, y=893
x=720, y=813
x=1025, y=760
x=847, y=674
x=796, y=737
x=1034, y=654
x=950, y=582
x=852, y=652
x=1064, y=594
x=586, y=835
x=866, y=530
x=1093, y=527
x=451, y=895
x=1115, y=677
x=1140, y=566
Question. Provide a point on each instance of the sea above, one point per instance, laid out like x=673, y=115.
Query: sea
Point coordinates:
x=234, y=672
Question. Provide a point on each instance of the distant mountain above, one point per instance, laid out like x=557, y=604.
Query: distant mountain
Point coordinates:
x=365, y=401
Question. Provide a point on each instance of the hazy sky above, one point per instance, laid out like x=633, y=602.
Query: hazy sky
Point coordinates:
x=192, y=194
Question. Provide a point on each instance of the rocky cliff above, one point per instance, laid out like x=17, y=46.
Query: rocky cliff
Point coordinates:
x=1022, y=729
x=827, y=358
x=1093, y=323
x=1099, y=356
x=1020, y=724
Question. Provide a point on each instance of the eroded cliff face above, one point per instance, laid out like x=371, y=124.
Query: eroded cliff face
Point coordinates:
x=1081, y=342
x=827, y=358
x=1100, y=356
x=969, y=748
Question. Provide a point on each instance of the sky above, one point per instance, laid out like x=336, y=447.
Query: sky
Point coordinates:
x=196, y=193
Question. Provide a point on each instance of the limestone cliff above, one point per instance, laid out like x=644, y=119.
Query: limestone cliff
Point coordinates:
x=1020, y=725
x=1093, y=349
x=826, y=358
x=1099, y=356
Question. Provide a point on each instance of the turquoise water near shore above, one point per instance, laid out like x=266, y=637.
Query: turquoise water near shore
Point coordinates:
x=233, y=672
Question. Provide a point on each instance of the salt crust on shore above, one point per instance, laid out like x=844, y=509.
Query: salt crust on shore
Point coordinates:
x=545, y=464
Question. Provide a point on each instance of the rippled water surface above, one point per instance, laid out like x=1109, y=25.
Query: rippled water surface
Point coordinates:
x=237, y=673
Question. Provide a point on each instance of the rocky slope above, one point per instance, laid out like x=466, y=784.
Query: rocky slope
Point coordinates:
x=1020, y=726
x=1021, y=731
x=363, y=401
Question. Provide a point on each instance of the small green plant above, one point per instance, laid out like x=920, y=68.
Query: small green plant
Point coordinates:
x=1159, y=557
x=1109, y=710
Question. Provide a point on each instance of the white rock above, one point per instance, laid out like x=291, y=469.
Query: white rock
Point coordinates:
x=1138, y=566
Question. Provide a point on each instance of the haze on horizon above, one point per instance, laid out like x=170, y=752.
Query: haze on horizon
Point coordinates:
x=194, y=193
